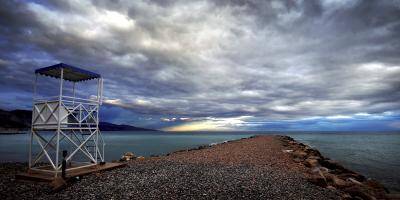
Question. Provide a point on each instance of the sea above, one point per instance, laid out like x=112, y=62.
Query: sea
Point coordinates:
x=374, y=154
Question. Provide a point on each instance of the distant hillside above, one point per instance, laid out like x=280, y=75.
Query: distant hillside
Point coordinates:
x=15, y=120
x=19, y=120
x=105, y=126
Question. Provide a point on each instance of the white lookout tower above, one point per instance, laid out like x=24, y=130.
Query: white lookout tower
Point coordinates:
x=66, y=128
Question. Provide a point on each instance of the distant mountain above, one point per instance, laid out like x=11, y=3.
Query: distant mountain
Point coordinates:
x=20, y=120
x=15, y=120
x=105, y=126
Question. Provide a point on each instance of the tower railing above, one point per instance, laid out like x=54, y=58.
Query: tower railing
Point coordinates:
x=74, y=112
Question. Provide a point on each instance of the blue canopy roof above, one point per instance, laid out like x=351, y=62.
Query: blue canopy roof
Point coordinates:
x=71, y=73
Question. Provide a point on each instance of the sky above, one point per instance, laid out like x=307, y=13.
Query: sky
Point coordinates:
x=323, y=65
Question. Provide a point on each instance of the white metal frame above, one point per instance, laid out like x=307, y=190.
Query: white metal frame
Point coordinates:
x=73, y=120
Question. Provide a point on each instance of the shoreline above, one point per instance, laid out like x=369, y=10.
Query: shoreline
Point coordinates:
x=297, y=169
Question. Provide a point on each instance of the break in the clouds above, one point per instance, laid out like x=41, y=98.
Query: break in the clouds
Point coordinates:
x=216, y=65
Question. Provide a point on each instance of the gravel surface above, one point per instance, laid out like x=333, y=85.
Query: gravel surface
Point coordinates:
x=224, y=171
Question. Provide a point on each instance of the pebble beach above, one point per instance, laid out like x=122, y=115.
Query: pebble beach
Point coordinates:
x=260, y=167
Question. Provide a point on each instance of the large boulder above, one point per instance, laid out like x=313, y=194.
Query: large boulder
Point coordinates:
x=318, y=179
x=127, y=156
x=354, y=181
x=130, y=154
x=333, y=165
x=312, y=152
x=314, y=157
x=299, y=154
x=140, y=158
x=319, y=169
x=338, y=182
x=359, y=192
x=354, y=175
x=309, y=162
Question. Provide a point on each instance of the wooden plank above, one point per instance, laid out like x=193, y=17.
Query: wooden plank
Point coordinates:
x=46, y=177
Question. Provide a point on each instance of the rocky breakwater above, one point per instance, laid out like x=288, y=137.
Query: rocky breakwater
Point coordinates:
x=130, y=156
x=328, y=173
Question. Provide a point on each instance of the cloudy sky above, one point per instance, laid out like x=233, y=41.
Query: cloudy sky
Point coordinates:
x=216, y=65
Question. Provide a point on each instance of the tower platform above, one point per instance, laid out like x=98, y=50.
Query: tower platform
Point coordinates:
x=42, y=176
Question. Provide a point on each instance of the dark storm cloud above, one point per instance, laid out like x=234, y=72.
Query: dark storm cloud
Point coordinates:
x=269, y=59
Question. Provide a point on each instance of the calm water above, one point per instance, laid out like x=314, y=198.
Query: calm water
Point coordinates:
x=375, y=155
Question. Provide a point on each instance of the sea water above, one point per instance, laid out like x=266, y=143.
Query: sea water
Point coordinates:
x=375, y=155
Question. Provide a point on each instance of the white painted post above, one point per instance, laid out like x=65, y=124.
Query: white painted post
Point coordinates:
x=73, y=92
x=59, y=121
x=97, y=117
x=33, y=106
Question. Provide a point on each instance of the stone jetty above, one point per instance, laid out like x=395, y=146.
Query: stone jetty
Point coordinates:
x=260, y=167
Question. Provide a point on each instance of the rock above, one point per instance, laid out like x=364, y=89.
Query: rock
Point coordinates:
x=292, y=142
x=140, y=158
x=314, y=157
x=338, y=182
x=299, y=154
x=346, y=197
x=318, y=180
x=375, y=185
x=355, y=176
x=354, y=181
x=318, y=169
x=357, y=191
x=297, y=160
x=124, y=158
x=201, y=147
x=127, y=156
x=379, y=190
x=393, y=196
x=331, y=187
x=324, y=169
x=312, y=152
x=311, y=162
x=331, y=164
x=130, y=154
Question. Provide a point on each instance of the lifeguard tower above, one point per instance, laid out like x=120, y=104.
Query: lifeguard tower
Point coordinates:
x=66, y=124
